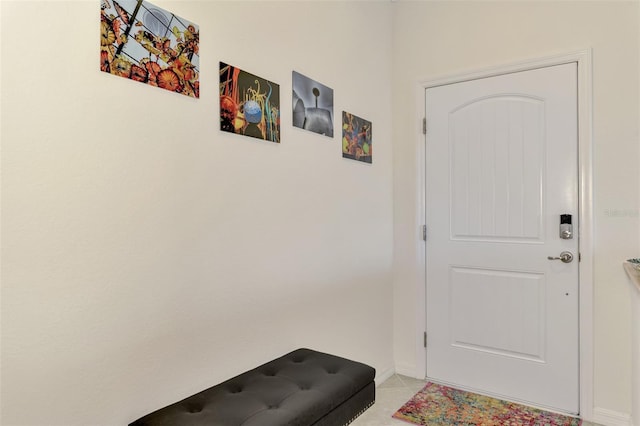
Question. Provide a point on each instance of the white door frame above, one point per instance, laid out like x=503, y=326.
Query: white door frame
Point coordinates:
x=585, y=205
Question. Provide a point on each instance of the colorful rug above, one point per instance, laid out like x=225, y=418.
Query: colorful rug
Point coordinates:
x=442, y=405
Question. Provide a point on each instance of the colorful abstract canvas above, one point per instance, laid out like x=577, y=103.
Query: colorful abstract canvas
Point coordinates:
x=312, y=105
x=148, y=44
x=249, y=105
x=356, y=138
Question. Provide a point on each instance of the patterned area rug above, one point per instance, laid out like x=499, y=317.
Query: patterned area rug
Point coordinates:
x=442, y=405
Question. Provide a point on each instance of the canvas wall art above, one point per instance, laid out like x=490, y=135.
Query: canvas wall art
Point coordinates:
x=312, y=105
x=249, y=105
x=145, y=43
x=356, y=138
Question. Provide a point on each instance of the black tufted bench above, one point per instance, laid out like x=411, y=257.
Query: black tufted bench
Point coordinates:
x=302, y=388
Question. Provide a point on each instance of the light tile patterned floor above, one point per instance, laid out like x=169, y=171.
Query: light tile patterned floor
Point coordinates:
x=390, y=396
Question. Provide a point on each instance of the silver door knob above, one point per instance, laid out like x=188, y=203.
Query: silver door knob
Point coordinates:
x=565, y=256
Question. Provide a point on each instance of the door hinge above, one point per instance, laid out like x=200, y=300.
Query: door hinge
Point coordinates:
x=424, y=339
x=424, y=232
x=424, y=126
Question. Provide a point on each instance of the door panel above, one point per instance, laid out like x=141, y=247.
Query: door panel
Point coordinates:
x=501, y=168
x=515, y=329
x=496, y=170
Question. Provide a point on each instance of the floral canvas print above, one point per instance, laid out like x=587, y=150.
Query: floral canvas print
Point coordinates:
x=145, y=43
x=249, y=105
x=356, y=138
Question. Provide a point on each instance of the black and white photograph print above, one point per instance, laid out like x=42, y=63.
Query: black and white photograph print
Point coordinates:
x=312, y=105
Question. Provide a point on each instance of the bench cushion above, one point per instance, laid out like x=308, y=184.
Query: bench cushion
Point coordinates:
x=301, y=388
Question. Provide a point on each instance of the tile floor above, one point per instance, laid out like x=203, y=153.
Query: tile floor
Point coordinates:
x=390, y=396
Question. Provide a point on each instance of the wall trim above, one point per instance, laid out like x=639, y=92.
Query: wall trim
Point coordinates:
x=383, y=376
x=610, y=418
x=585, y=170
x=408, y=370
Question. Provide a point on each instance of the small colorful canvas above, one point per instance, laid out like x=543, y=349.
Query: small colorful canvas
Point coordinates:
x=312, y=105
x=249, y=105
x=145, y=43
x=356, y=138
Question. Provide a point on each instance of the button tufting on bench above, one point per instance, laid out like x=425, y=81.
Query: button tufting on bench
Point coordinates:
x=302, y=388
x=194, y=409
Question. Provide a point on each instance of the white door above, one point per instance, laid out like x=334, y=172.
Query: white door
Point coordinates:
x=501, y=167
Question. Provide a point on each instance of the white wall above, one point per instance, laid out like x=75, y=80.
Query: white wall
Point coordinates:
x=635, y=409
x=144, y=262
x=146, y=255
x=439, y=38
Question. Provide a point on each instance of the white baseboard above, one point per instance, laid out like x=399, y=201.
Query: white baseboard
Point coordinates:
x=611, y=418
x=384, y=375
x=407, y=370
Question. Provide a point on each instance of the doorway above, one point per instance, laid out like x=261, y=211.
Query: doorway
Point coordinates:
x=503, y=318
